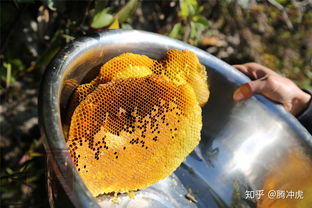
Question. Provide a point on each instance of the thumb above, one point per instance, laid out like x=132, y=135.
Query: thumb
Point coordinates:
x=247, y=90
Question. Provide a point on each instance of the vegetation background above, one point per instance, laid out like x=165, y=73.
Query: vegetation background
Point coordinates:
x=275, y=33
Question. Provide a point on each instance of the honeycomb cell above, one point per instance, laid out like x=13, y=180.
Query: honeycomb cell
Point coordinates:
x=137, y=120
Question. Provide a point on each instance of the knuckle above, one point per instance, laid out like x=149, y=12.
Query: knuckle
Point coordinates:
x=272, y=83
x=252, y=64
x=252, y=87
x=271, y=79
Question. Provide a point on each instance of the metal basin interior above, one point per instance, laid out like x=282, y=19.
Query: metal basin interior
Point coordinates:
x=242, y=143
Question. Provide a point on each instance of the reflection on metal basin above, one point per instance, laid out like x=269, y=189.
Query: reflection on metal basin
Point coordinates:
x=247, y=148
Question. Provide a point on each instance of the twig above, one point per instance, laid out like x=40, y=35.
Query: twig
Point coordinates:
x=187, y=32
x=284, y=13
x=301, y=7
x=190, y=197
x=302, y=3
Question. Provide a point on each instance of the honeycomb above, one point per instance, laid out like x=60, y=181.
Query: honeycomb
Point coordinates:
x=135, y=123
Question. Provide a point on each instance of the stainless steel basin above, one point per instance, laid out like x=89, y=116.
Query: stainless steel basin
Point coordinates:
x=242, y=146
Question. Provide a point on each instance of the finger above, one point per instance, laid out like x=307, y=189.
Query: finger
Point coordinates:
x=258, y=70
x=252, y=74
x=247, y=90
x=242, y=69
x=242, y=93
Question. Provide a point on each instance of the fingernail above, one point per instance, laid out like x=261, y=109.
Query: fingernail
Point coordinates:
x=238, y=95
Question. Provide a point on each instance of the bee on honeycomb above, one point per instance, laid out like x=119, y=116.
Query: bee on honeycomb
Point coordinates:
x=136, y=122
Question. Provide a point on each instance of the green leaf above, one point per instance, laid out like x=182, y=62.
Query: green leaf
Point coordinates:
x=282, y=2
x=68, y=37
x=193, y=30
x=176, y=31
x=309, y=74
x=126, y=26
x=192, y=10
x=184, y=9
x=35, y=154
x=9, y=171
x=126, y=11
x=202, y=20
x=188, y=8
x=102, y=19
x=54, y=5
x=200, y=9
x=17, y=64
x=8, y=78
x=196, y=31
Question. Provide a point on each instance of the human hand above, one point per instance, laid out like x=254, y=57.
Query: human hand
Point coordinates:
x=273, y=86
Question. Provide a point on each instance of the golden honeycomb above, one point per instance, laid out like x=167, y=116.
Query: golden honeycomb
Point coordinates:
x=135, y=123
